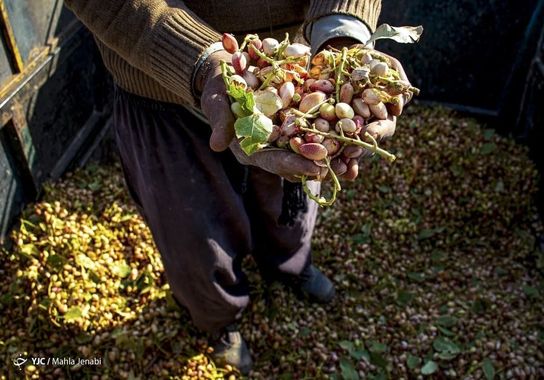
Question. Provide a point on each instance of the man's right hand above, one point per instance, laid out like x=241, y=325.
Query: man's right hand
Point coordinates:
x=216, y=106
x=282, y=162
x=214, y=101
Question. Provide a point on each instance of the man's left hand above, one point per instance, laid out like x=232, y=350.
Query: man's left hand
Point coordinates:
x=381, y=129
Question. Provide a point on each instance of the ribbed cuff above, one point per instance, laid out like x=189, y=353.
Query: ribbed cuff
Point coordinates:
x=178, y=43
x=330, y=27
x=367, y=11
x=215, y=47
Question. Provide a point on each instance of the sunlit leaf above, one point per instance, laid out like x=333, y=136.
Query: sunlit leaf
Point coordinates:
x=254, y=131
x=401, y=34
x=267, y=102
x=121, y=270
x=72, y=314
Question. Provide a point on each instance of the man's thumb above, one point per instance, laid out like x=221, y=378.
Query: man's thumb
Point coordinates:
x=221, y=137
x=222, y=122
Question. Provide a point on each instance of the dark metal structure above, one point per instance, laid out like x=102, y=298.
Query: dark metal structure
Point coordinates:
x=529, y=125
x=484, y=57
x=53, y=98
x=481, y=56
x=473, y=55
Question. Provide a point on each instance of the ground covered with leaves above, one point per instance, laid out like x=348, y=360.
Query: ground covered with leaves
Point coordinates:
x=435, y=258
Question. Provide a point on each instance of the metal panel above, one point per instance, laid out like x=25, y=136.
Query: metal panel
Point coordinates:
x=6, y=72
x=32, y=22
x=52, y=110
x=13, y=190
x=468, y=50
x=57, y=111
x=534, y=123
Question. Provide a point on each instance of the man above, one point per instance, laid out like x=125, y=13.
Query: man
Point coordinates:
x=207, y=208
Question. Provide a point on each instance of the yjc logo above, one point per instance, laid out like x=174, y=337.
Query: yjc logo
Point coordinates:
x=19, y=361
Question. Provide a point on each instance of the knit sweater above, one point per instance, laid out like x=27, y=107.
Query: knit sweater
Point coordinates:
x=151, y=46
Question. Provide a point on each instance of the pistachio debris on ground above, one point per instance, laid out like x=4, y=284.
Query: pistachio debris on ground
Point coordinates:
x=436, y=261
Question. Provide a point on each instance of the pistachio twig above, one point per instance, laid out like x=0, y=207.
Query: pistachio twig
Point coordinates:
x=381, y=152
x=321, y=201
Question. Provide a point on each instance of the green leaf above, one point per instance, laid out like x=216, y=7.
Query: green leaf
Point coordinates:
x=416, y=276
x=55, y=261
x=443, y=344
x=530, y=291
x=378, y=376
x=446, y=321
x=121, y=270
x=438, y=256
x=429, y=368
x=489, y=133
x=479, y=306
x=361, y=238
x=445, y=331
x=401, y=34
x=254, y=131
x=268, y=102
x=94, y=186
x=489, y=370
x=360, y=354
x=404, y=298
x=85, y=261
x=499, y=186
x=87, y=296
x=378, y=360
x=245, y=98
x=377, y=347
x=117, y=332
x=355, y=353
x=72, y=314
x=351, y=193
x=348, y=370
x=84, y=338
x=488, y=148
x=457, y=170
x=384, y=189
x=6, y=299
x=28, y=250
x=447, y=355
x=413, y=361
x=346, y=345
x=428, y=233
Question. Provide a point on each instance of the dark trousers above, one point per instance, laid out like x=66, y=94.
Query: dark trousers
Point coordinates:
x=204, y=209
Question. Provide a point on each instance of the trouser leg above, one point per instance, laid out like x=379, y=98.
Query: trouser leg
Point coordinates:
x=278, y=249
x=191, y=201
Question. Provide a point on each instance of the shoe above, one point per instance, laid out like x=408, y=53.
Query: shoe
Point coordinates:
x=230, y=348
x=316, y=286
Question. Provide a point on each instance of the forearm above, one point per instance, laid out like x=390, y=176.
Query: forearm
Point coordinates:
x=162, y=38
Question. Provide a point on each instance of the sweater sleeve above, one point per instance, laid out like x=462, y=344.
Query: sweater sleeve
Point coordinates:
x=162, y=38
x=367, y=11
